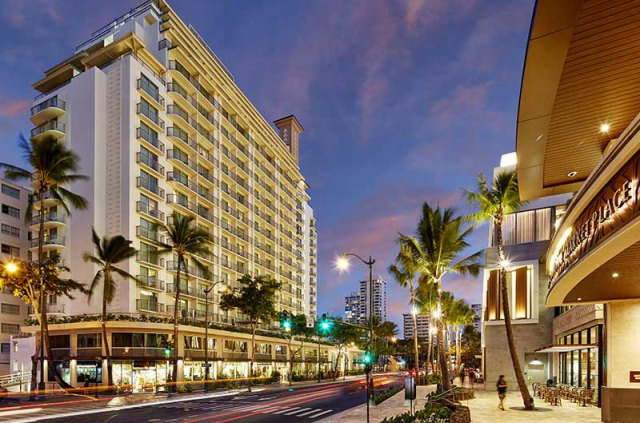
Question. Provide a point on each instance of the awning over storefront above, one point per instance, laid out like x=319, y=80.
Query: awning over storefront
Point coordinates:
x=564, y=348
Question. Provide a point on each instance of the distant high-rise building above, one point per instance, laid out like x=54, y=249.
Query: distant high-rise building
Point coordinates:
x=379, y=299
x=477, y=319
x=422, y=321
x=352, y=308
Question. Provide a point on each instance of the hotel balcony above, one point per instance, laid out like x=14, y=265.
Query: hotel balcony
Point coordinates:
x=153, y=259
x=154, y=121
x=150, y=282
x=154, y=98
x=151, y=165
x=149, y=234
x=181, y=96
x=49, y=200
x=150, y=211
x=150, y=188
x=181, y=204
x=182, y=138
x=51, y=220
x=183, y=161
x=52, y=310
x=185, y=290
x=47, y=110
x=181, y=117
x=52, y=128
x=146, y=305
x=155, y=145
x=49, y=244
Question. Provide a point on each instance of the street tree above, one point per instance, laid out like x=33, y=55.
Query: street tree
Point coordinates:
x=109, y=252
x=492, y=204
x=53, y=168
x=256, y=300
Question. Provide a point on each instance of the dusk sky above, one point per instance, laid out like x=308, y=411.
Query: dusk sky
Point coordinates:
x=402, y=102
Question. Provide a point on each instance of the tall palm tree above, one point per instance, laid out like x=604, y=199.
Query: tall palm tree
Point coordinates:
x=54, y=166
x=426, y=300
x=461, y=316
x=492, y=204
x=404, y=274
x=109, y=252
x=186, y=241
x=440, y=238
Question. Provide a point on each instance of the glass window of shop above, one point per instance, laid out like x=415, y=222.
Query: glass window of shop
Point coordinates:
x=89, y=340
x=141, y=375
x=580, y=367
x=88, y=371
x=235, y=346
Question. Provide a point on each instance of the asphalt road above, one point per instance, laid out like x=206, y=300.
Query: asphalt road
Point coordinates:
x=301, y=405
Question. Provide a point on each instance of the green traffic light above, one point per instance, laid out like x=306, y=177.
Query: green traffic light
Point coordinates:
x=367, y=358
x=167, y=351
x=286, y=324
x=325, y=325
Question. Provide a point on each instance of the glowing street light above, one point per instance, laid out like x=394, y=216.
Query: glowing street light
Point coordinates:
x=437, y=313
x=414, y=310
x=433, y=331
x=342, y=263
x=504, y=264
x=11, y=267
x=394, y=339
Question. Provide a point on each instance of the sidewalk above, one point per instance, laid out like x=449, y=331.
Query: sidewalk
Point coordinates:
x=484, y=409
x=391, y=407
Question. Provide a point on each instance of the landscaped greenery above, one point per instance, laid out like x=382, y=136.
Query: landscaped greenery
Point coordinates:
x=386, y=394
x=426, y=415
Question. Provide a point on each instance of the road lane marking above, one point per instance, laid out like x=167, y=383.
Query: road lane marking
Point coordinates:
x=313, y=416
x=266, y=398
x=285, y=410
x=313, y=410
x=296, y=411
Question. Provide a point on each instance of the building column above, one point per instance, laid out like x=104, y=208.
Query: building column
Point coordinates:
x=621, y=395
x=73, y=371
x=105, y=370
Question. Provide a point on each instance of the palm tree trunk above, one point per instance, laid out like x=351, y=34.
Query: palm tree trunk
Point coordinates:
x=174, y=376
x=444, y=369
x=458, y=346
x=253, y=352
x=415, y=330
x=429, y=359
x=522, y=385
x=105, y=339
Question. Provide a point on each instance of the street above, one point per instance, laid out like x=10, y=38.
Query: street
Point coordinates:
x=301, y=404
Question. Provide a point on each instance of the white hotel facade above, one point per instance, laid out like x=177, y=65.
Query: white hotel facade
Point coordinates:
x=160, y=126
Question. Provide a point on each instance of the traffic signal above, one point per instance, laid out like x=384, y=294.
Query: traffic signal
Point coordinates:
x=367, y=358
x=325, y=323
x=167, y=351
x=286, y=324
x=285, y=321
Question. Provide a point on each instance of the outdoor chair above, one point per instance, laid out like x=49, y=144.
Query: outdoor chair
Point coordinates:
x=585, y=397
x=554, y=396
x=573, y=394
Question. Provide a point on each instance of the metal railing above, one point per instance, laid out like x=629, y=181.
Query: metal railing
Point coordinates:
x=52, y=125
x=50, y=102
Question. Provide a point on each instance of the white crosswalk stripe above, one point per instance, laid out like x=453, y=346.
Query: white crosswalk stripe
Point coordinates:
x=285, y=410
x=313, y=416
x=311, y=411
x=296, y=411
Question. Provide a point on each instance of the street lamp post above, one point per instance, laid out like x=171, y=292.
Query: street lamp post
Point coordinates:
x=343, y=264
x=206, y=333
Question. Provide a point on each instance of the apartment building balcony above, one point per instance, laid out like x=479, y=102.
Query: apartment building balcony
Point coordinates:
x=47, y=110
x=52, y=128
x=182, y=75
x=49, y=201
x=149, y=211
x=182, y=160
x=52, y=310
x=150, y=165
x=154, y=121
x=154, y=98
x=181, y=97
x=184, y=312
x=55, y=243
x=182, y=138
x=212, y=161
x=150, y=188
x=151, y=142
x=150, y=282
x=150, y=258
x=181, y=204
x=146, y=305
x=50, y=220
x=185, y=290
x=181, y=117
x=149, y=235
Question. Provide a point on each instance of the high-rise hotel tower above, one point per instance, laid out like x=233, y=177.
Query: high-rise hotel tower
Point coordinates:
x=160, y=126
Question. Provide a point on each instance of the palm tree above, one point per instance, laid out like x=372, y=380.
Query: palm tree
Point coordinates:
x=460, y=317
x=426, y=300
x=492, y=205
x=440, y=238
x=109, y=252
x=186, y=240
x=404, y=274
x=54, y=166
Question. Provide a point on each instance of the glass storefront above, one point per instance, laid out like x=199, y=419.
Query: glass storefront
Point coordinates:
x=142, y=376
x=580, y=367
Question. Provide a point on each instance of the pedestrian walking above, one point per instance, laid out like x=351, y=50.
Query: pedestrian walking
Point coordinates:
x=462, y=375
x=502, y=391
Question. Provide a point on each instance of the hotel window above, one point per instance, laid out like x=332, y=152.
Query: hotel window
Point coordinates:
x=148, y=110
x=10, y=249
x=149, y=87
x=526, y=226
x=149, y=182
x=9, y=328
x=10, y=309
x=5, y=347
x=11, y=230
x=148, y=134
x=89, y=340
x=11, y=191
x=520, y=292
x=11, y=211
